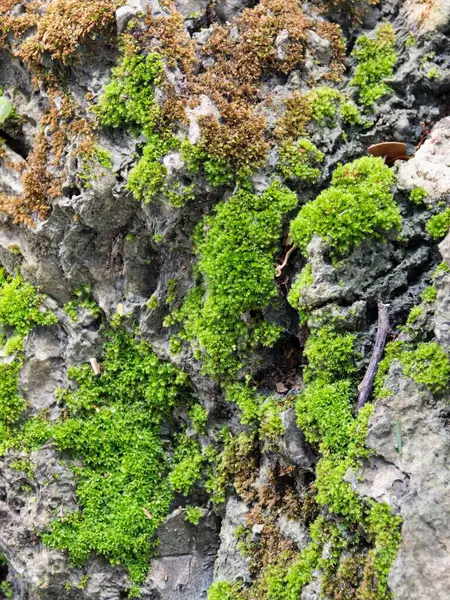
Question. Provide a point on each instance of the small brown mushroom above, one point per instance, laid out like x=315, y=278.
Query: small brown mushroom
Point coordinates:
x=390, y=151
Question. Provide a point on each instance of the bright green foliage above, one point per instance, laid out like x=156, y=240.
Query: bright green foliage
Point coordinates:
x=429, y=365
x=358, y=204
x=189, y=463
x=324, y=414
x=147, y=177
x=429, y=294
x=271, y=427
x=418, y=195
x=11, y=404
x=152, y=303
x=438, y=225
x=128, y=100
x=247, y=399
x=20, y=305
x=193, y=514
x=113, y=427
x=199, y=418
x=441, y=268
x=330, y=355
x=302, y=281
x=325, y=104
x=20, y=311
x=376, y=59
x=434, y=73
x=385, y=529
x=236, y=246
x=7, y=590
x=350, y=113
x=223, y=590
x=414, y=314
x=82, y=299
x=299, y=160
x=217, y=170
x=103, y=157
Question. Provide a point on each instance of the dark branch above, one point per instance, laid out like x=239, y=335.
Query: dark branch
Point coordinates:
x=365, y=387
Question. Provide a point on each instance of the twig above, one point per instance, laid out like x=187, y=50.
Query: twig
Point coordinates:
x=365, y=387
x=279, y=268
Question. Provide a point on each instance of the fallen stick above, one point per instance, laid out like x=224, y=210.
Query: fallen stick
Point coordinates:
x=365, y=387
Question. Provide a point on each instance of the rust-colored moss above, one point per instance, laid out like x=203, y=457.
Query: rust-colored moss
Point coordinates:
x=349, y=10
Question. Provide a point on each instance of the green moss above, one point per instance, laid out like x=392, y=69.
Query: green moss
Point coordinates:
x=193, y=514
x=428, y=365
x=438, y=225
x=20, y=305
x=217, y=170
x=302, y=281
x=418, y=195
x=236, y=246
x=271, y=427
x=247, y=399
x=375, y=59
x=113, y=427
x=152, y=303
x=434, y=73
x=330, y=355
x=128, y=100
x=189, y=464
x=7, y=590
x=413, y=316
x=199, y=418
x=299, y=160
x=82, y=298
x=429, y=294
x=441, y=268
x=223, y=590
x=325, y=104
x=358, y=204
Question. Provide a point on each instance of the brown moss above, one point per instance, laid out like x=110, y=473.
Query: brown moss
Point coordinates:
x=65, y=25
x=345, y=583
x=350, y=10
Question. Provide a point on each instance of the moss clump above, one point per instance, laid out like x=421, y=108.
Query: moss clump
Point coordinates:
x=438, y=225
x=193, y=514
x=418, y=195
x=376, y=59
x=20, y=311
x=427, y=364
x=113, y=426
x=236, y=246
x=129, y=101
x=223, y=590
x=330, y=355
x=299, y=161
x=358, y=204
x=302, y=281
x=82, y=299
x=199, y=418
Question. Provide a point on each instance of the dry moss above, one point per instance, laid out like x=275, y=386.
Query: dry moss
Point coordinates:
x=64, y=26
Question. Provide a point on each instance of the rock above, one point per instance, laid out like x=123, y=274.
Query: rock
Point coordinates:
x=205, y=109
x=135, y=7
x=294, y=530
x=414, y=483
x=293, y=445
x=429, y=168
x=230, y=565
